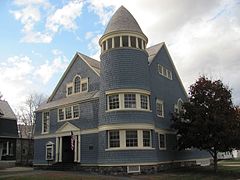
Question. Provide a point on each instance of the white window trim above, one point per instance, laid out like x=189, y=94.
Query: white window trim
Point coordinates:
x=165, y=141
x=64, y=113
x=72, y=84
x=68, y=86
x=48, y=123
x=122, y=139
x=122, y=101
x=49, y=145
x=109, y=139
x=161, y=102
x=167, y=70
x=84, y=80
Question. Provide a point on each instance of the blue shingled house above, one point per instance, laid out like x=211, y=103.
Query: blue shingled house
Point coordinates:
x=114, y=115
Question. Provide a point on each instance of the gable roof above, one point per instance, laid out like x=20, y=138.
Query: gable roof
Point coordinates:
x=82, y=97
x=6, y=111
x=92, y=63
x=154, y=50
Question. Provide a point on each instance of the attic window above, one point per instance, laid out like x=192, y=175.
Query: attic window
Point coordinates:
x=77, y=84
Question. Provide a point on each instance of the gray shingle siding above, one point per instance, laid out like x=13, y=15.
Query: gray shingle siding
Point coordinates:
x=81, y=68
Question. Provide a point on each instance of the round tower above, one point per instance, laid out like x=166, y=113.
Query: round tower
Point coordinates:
x=124, y=76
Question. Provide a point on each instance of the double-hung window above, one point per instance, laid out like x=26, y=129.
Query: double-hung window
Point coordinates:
x=146, y=138
x=130, y=100
x=45, y=122
x=162, y=141
x=68, y=112
x=114, y=139
x=131, y=138
x=113, y=101
x=144, y=101
x=159, y=108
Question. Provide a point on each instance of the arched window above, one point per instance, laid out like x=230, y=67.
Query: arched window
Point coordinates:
x=77, y=84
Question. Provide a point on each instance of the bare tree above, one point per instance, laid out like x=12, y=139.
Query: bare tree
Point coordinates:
x=26, y=118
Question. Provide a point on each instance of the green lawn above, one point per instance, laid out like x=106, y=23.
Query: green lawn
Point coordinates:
x=228, y=169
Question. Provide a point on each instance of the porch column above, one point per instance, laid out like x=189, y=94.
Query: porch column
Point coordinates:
x=75, y=148
x=57, y=148
x=60, y=150
x=79, y=147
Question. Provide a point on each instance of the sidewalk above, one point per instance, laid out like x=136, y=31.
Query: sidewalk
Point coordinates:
x=9, y=172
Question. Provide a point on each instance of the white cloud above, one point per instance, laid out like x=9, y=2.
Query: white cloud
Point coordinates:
x=20, y=76
x=65, y=17
x=48, y=69
x=37, y=37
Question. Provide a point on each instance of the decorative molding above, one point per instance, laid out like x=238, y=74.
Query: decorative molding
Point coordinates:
x=141, y=91
x=67, y=127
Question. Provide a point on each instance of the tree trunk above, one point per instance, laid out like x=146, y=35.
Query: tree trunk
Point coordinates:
x=215, y=159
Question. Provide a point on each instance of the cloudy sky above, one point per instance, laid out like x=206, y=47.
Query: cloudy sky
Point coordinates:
x=38, y=39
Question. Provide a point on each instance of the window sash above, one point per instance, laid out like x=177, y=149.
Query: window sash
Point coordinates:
x=113, y=101
x=131, y=138
x=77, y=84
x=75, y=111
x=114, y=139
x=159, y=108
x=130, y=100
x=61, y=114
x=162, y=141
x=46, y=119
x=144, y=101
x=70, y=90
x=146, y=138
x=68, y=112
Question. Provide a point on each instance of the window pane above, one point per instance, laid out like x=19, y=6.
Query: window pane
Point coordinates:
x=131, y=139
x=68, y=112
x=162, y=141
x=160, y=69
x=159, y=108
x=75, y=111
x=130, y=100
x=84, y=87
x=10, y=148
x=140, y=43
x=133, y=41
x=114, y=140
x=109, y=41
x=164, y=71
x=144, y=102
x=146, y=138
x=45, y=121
x=169, y=74
x=77, y=84
x=49, y=151
x=69, y=90
x=125, y=41
x=113, y=101
x=60, y=114
x=104, y=45
x=117, y=41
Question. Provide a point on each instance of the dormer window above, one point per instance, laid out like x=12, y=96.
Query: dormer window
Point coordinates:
x=77, y=84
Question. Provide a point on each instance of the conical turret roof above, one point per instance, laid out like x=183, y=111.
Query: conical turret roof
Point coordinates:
x=122, y=20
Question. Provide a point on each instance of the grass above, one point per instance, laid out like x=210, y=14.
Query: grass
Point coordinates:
x=197, y=173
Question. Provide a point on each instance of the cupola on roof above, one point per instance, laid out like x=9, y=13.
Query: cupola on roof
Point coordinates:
x=122, y=20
